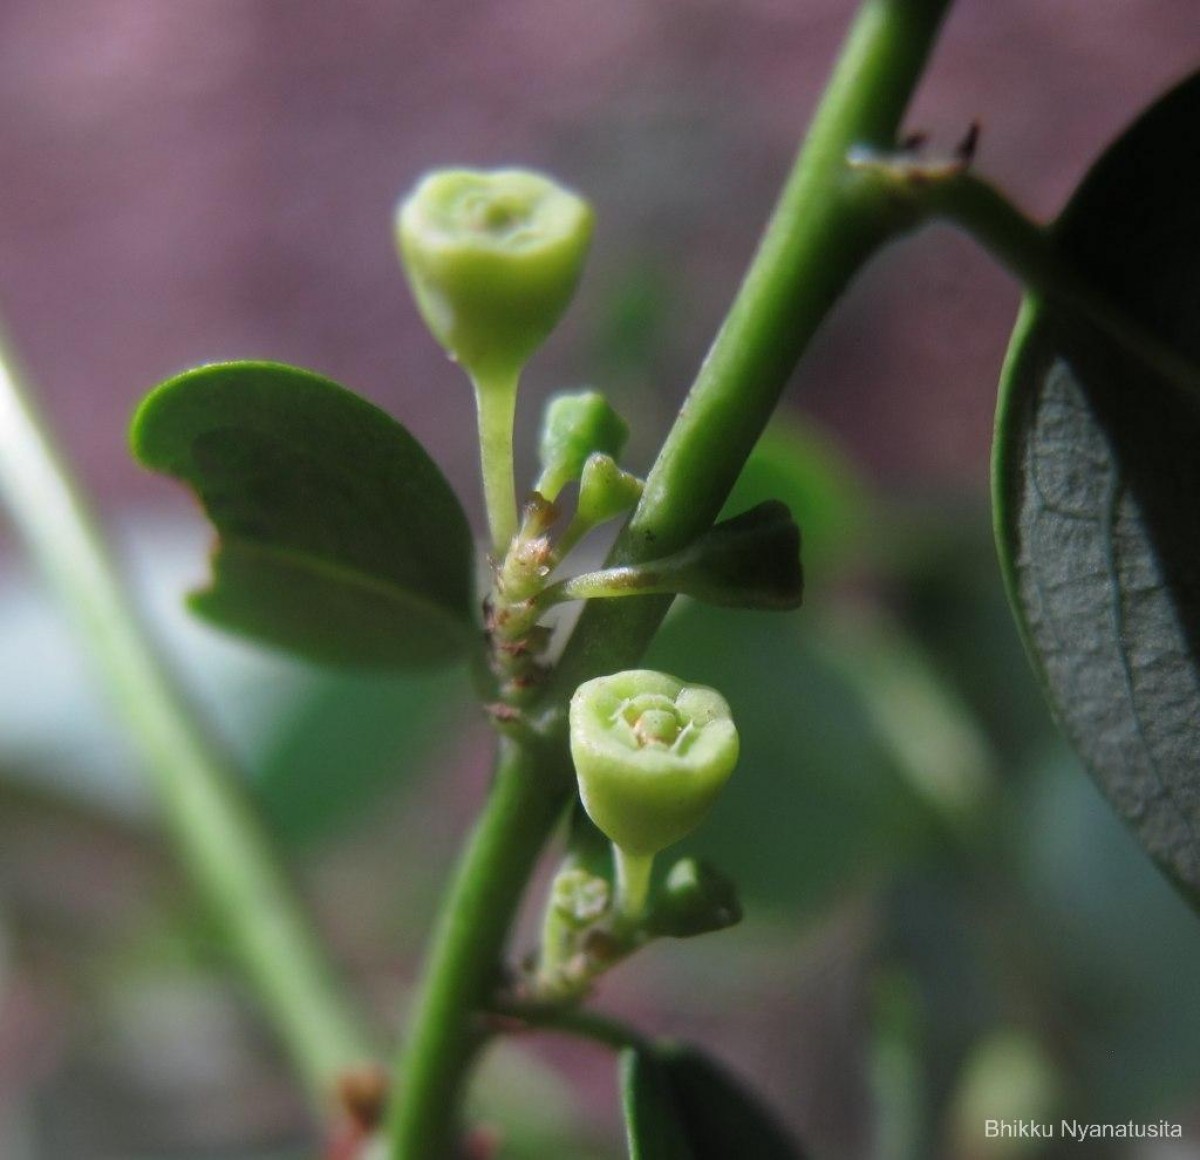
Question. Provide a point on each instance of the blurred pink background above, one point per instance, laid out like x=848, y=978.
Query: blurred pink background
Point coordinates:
x=187, y=182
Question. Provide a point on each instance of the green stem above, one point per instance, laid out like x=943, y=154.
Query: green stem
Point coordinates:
x=823, y=230
x=496, y=403
x=215, y=830
x=464, y=963
x=1028, y=249
x=605, y=584
x=633, y=873
x=576, y=1021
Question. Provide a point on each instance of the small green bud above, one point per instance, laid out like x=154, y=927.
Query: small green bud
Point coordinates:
x=493, y=260
x=695, y=899
x=575, y=425
x=605, y=491
x=579, y=898
x=651, y=754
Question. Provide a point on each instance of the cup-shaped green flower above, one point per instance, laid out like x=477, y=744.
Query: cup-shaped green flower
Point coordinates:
x=493, y=258
x=651, y=755
x=576, y=424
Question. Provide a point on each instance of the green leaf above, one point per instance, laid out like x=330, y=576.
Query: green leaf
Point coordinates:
x=1097, y=477
x=721, y=1118
x=751, y=560
x=339, y=538
x=679, y=1105
x=652, y=1124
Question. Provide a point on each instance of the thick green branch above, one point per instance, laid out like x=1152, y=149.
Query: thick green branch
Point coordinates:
x=464, y=965
x=216, y=833
x=824, y=228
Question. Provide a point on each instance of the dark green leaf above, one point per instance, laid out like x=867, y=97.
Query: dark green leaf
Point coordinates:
x=1097, y=481
x=721, y=1118
x=652, y=1125
x=749, y=561
x=695, y=899
x=339, y=538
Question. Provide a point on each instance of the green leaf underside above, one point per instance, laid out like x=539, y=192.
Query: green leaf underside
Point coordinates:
x=1097, y=488
x=679, y=1104
x=339, y=538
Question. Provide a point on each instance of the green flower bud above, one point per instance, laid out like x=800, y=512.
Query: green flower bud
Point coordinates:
x=493, y=259
x=695, y=899
x=575, y=425
x=651, y=754
x=605, y=491
x=578, y=901
x=578, y=898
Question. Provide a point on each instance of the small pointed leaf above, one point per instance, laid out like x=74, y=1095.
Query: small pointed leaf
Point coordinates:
x=695, y=899
x=339, y=538
x=751, y=560
x=652, y=1125
x=1097, y=488
x=798, y=463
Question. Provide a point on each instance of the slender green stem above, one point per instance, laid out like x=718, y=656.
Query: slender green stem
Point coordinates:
x=633, y=882
x=605, y=584
x=496, y=403
x=1029, y=250
x=464, y=963
x=215, y=830
x=824, y=228
x=576, y=1021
